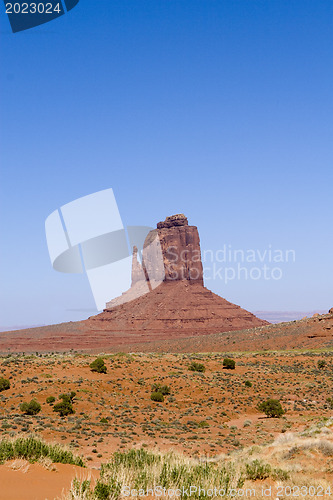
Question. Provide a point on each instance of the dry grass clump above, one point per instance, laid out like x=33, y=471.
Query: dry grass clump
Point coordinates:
x=143, y=471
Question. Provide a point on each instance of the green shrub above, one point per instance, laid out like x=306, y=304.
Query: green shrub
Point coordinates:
x=68, y=397
x=248, y=383
x=321, y=364
x=32, y=449
x=50, y=400
x=329, y=401
x=31, y=408
x=272, y=408
x=257, y=470
x=102, y=491
x=4, y=384
x=197, y=367
x=157, y=396
x=163, y=389
x=203, y=424
x=229, y=363
x=280, y=475
x=65, y=407
x=98, y=365
x=104, y=420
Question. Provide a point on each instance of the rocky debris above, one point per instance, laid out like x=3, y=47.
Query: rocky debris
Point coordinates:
x=173, y=221
x=330, y=311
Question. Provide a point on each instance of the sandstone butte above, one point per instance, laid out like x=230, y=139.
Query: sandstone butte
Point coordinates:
x=168, y=293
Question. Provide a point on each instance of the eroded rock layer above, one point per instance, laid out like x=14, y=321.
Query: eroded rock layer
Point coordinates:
x=179, y=305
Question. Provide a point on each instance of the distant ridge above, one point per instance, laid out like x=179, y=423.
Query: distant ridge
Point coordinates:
x=285, y=316
x=14, y=328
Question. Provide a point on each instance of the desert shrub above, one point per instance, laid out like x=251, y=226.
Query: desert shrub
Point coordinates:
x=280, y=475
x=32, y=449
x=229, y=363
x=248, y=383
x=98, y=365
x=326, y=447
x=68, y=397
x=104, y=491
x=104, y=420
x=196, y=367
x=31, y=408
x=257, y=470
x=203, y=424
x=4, y=384
x=65, y=407
x=272, y=408
x=329, y=401
x=163, y=389
x=50, y=400
x=157, y=396
x=321, y=364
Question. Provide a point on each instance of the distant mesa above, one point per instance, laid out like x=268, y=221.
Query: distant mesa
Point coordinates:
x=167, y=291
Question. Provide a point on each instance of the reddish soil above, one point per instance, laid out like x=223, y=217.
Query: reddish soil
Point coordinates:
x=205, y=412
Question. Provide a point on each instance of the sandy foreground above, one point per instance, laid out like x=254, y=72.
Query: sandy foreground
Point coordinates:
x=21, y=480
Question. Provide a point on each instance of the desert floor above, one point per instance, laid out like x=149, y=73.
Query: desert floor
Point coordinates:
x=206, y=414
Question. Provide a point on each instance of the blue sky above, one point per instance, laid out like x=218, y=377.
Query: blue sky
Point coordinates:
x=220, y=109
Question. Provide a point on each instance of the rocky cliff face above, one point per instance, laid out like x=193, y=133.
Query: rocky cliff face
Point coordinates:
x=180, y=245
x=171, y=253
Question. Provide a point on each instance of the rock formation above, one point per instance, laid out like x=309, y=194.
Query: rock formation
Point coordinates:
x=167, y=291
x=171, y=253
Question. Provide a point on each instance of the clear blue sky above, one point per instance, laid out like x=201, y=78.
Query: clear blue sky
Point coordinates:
x=220, y=109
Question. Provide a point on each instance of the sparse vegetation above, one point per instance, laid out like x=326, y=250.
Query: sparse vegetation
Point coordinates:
x=50, y=400
x=204, y=416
